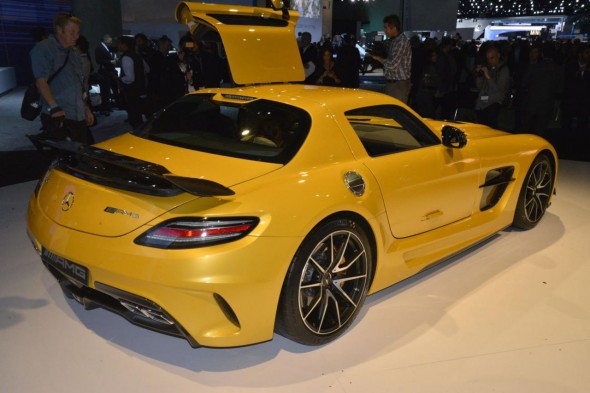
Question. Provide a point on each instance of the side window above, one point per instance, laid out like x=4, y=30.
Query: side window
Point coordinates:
x=387, y=129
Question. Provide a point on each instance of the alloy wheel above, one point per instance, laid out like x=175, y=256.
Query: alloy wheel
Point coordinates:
x=538, y=191
x=333, y=282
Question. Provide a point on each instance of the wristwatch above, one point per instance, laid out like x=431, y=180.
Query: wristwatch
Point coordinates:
x=54, y=109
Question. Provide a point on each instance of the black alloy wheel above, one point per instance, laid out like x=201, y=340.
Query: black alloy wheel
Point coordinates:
x=326, y=284
x=535, y=194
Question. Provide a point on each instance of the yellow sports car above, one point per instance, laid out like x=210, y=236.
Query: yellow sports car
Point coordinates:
x=272, y=206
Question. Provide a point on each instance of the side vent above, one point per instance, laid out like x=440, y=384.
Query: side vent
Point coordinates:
x=496, y=182
x=227, y=310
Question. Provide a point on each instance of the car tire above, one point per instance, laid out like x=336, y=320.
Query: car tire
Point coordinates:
x=326, y=283
x=535, y=193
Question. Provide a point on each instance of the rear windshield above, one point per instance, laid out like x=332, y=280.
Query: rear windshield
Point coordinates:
x=258, y=129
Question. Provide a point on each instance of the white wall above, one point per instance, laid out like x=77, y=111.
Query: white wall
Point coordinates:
x=476, y=26
x=7, y=79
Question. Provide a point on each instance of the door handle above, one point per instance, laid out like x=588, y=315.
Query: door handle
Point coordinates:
x=432, y=214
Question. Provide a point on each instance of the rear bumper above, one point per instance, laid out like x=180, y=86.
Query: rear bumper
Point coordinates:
x=135, y=309
x=219, y=296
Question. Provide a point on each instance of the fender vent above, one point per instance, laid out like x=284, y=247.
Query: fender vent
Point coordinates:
x=497, y=181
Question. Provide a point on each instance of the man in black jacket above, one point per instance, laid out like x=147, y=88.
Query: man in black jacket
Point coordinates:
x=309, y=55
x=133, y=79
x=105, y=58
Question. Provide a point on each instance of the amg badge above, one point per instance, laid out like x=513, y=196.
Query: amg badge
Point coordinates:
x=67, y=267
x=114, y=210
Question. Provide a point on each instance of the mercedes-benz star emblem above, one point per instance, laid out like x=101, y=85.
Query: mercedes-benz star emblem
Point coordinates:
x=67, y=202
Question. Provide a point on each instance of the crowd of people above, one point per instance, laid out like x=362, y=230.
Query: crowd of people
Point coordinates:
x=520, y=86
x=523, y=85
x=328, y=64
x=139, y=75
x=153, y=73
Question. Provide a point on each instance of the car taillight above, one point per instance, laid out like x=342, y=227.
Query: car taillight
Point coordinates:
x=191, y=232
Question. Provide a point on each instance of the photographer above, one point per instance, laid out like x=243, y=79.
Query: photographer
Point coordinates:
x=492, y=82
x=65, y=114
x=188, y=63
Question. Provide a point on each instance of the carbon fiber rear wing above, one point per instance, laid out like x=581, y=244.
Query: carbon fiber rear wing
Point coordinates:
x=123, y=172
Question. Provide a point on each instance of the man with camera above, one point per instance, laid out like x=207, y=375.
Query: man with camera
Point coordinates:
x=65, y=113
x=493, y=83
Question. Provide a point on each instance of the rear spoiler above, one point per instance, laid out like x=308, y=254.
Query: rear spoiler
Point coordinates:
x=122, y=172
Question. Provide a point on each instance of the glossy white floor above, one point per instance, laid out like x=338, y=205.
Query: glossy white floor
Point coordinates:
x=509, y=316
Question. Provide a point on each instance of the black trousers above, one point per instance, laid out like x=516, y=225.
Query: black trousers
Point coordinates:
x=133, y=105
x=109, y=88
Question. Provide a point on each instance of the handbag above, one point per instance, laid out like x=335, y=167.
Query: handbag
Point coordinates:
x=30, y=108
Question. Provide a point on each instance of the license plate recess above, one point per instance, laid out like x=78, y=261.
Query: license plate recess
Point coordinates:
x=71, y=269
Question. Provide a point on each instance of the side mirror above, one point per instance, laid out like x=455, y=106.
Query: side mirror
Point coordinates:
x=453, y=137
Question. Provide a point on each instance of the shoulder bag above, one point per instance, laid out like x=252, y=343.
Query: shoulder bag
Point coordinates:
x=31, y=105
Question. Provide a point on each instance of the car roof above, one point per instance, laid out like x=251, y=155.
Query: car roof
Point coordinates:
x=259, y=43
x=308, y=97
